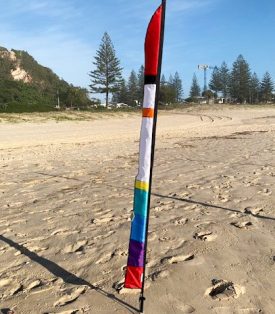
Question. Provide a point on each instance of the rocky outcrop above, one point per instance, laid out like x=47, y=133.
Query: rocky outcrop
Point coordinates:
x=18, y=73
x=21, y=75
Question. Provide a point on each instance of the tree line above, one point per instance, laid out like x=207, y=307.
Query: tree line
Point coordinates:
x=107, y=79
x=130, y=91
x=236, y=85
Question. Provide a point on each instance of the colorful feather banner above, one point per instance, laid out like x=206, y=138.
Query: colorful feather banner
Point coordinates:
x=134, y=278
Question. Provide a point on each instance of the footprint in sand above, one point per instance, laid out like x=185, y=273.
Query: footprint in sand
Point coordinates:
x=64, y=232
x=13, y=289
x=161, y=208
x=77, y=247
x=177, y=259
x=104, y=236
x=165, y=239
x=67, y=312
x=241, y=225
x=179, y=221
x=222, y=289
x=71, y=297
x=193, y=186
x=34, y=284
x=205, y=236
x=5, y=282
x=35, y=248
x=120, y=252
x=253, y=211
x=229, y=310
x=179, y=305
x=185, y=308
x=265, y=192
x=159, y=274
x=105, y=259
x=249, y=311
x=103, y=220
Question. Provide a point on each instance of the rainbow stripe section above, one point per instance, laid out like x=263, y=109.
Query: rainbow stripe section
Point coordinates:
x=136, y=257
x=135, y=265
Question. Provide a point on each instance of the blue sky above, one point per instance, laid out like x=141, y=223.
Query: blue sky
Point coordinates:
x=64, y=34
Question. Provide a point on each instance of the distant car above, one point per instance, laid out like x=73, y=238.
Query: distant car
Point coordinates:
x=121, y=105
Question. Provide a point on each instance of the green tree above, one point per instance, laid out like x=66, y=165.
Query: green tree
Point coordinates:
x=195, y=89
x=240, y=80
x=121, y=94
x=107, y=74
x=267, y=87
x=224, y=76
x=254, y=89
x=163, y=80
x=215, y=81
x=167, y=90
x=140, y=77
x=220, y=80
x=167, y=94
x=133, y=89
x=171, y=80
x=177, y=83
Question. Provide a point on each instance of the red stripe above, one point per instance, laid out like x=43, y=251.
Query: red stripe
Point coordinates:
x=133, y=278
x=152, y=43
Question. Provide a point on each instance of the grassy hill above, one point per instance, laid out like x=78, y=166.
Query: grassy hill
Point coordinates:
x=27, y=86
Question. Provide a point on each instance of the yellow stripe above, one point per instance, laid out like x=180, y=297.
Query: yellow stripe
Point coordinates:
x=142, y=185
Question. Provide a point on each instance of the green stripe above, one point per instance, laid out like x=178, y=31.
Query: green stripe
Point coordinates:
x=140, y=202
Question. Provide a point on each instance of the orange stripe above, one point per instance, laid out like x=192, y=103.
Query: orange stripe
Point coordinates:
x=148, y=112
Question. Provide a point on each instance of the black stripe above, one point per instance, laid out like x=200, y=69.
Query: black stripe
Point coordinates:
x=150, y=79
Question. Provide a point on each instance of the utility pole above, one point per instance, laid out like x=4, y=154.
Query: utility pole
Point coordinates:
x=58, y=100
x=205, y=67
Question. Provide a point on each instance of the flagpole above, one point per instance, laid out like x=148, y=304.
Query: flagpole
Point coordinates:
x=142, y=298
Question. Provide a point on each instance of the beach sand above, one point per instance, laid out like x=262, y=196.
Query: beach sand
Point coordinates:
x=66, y=197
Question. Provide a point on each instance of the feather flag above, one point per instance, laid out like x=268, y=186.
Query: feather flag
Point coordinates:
x=134, y=278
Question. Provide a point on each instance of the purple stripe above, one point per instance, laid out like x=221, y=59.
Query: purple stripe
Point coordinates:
x=136, y=254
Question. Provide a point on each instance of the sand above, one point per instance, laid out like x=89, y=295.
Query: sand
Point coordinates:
x=66, y=200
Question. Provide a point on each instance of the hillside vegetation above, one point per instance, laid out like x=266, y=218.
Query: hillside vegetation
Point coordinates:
x=27, y=86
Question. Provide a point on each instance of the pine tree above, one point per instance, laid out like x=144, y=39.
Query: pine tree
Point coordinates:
x=254, y=89
x=171, y=80
x=140, y=77
x=167, y=94
x=215, y=81
x=267, y=87
x=163, y=80
x=167, y=90
x=133, y=88
x=107, y=74
x=121, y=94
x=240, y=80
x=177, y=83
x=195, y=90
x=224, y=75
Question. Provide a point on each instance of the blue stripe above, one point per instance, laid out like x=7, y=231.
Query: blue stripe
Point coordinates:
x=140, y=202
x=138, y=228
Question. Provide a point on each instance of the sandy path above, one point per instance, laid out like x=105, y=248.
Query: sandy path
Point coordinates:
x=66, y=201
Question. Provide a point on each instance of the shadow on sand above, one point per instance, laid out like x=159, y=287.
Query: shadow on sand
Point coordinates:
x=213, y=206
x=62, y=273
